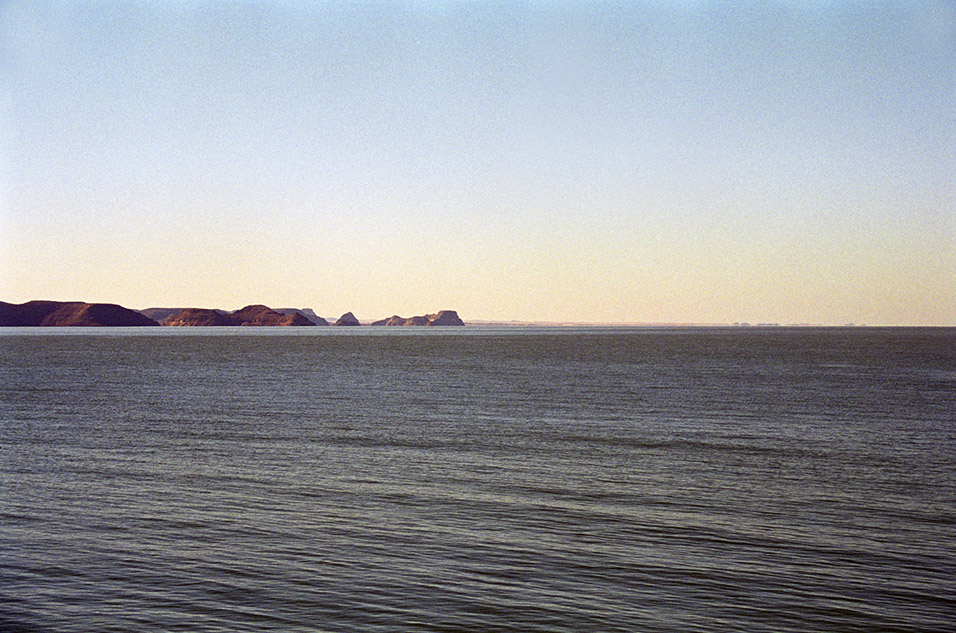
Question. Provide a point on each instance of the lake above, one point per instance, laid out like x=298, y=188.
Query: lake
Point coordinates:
x=478, y=479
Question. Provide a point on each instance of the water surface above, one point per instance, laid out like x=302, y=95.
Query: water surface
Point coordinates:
x=477, y=479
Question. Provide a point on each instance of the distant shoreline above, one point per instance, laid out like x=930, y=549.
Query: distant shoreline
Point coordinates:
x=41, y=313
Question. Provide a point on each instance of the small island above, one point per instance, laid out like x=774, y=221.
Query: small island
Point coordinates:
x=442, y=318
x=348, y=319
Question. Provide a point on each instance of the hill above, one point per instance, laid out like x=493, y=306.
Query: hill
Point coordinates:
x=442, y=318
x=306, y=312
x=70, y=314
x=251, y=315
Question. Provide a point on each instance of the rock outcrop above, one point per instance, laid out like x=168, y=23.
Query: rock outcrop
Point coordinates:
x=347, y=319
x=70, y=314
x=443, y=318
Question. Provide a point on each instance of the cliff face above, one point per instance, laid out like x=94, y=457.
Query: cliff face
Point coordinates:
x=443, y=318
x=69, y=314
x=253, y=315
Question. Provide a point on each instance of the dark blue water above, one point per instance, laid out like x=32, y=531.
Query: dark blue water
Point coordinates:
x=478, y=480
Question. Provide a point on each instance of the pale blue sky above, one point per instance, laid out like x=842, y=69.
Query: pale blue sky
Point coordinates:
x=618, y=162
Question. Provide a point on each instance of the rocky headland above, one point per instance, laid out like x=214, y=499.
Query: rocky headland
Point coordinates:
x=70, y=314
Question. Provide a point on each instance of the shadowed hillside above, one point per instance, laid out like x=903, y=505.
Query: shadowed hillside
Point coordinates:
x=70, y=313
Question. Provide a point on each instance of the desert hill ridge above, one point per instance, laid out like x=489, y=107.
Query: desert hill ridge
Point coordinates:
x=78, y=313
x=70, y=314
x=251, y=315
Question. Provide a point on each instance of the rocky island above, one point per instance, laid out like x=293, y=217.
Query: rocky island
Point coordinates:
x=442, y=318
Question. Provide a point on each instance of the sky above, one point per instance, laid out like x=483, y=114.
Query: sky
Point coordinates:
x=612, y=162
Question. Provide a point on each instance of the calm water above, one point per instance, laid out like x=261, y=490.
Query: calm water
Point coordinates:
x=478, y=480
